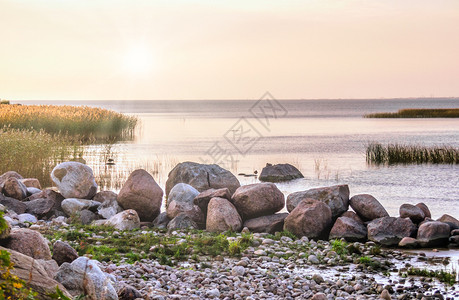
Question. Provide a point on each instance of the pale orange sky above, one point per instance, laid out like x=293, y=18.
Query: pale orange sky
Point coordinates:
x=108, y=49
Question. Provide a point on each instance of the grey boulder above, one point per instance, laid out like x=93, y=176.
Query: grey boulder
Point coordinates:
x=279, y=172
x=74, y=180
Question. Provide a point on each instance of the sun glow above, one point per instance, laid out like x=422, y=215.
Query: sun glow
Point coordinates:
x=138, y=60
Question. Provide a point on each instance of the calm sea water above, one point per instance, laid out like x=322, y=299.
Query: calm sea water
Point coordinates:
x=325, y=139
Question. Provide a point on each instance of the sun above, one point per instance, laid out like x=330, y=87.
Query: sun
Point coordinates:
x=138, y=60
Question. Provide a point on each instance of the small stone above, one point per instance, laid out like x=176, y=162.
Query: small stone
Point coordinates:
x=260, y=252
x=238, y=271
x=313, y=259
x=385, y=295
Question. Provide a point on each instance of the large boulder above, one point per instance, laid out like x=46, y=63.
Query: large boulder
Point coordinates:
x=63, y=252
x=389, y=231
x=202, y=200
x=193, y=211
x=424, y=209
x=74, y=180
x=72, y=206
x=31, y=182
x=450, y=220
x=336, y=197
x=222, y=216
x=348, y=229
x=183, y=193
x=56, y=197
x=367, y=207
x=413, y=212
x=9, y=174
x=14, y=188
x=141, y=193
x=434, y=233
x=202, y=177
x=83, y=276
x=125, y=220
x=37, y=278
x=270, y=224
x=15, y=205
x=41, y=208
x=279, y=172
x=259, y=199
x=28, y=242
x=310, y=218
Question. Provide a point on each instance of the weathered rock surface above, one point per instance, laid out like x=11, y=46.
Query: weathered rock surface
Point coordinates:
x=310, y=218
x=84, y=276
x=367, y=207
x=109, y=207
x=424, y=209
x=103, y=196
x=14, y=188
x=433, y=233
x=15, y=205
x=256, y=200
x=202, y=200
x=63, y=252
x=9, y=174
x=413, y=212
x=352, y=215
x=183, y=193
x=222, y=216
x=128, y=292
x=27, y=218
x=42, y=208
x=270, y=224
x=141, y=193
x=56, y=197
x=31, y=182
x=125, y=220
x=408, y=242
x=348, y=229
x=28, y=242
x=161, y=220
x=74, y=180
x=390, y=231
x=450, y=220
x=34, y=274
x=279, y=172
x=180, y=200
x=202, y=177
x=85, y=217
x=336, y=197
x=73, y=206
x=182, y=221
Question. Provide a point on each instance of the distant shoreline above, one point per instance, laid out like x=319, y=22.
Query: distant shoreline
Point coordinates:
x=419, y=113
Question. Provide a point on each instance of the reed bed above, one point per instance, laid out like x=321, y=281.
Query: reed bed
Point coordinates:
x=419, y=113
x=411, y=154
x=86, y=122
x=34, y=153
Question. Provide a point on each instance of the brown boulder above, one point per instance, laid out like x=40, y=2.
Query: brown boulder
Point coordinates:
x=105, y=196
x=222, y=216
x=413, y=212
x=367, y=207
x=352, y=215
x=31, y=182
x=424, y=209
x=433, y=233
x=336, y=197
x=28, y=242
x=348, y=229
x=310, y=218
x=279, y=173
x=9, y=174
x=202, y=177
x=450, y=220
x=63, y=252
x=141, y=193
x=13, y=188
x=202, y=200
x=193, y=211
x=390, y=231
x=27, y=269
x=259, y=199
x=41, y=208
x=270, y=224
x=15, y=205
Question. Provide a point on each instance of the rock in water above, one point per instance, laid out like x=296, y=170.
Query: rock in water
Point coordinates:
x=390, y=231
x=259, y=199
x=367, y=207
x=450, y=220
x=74, y=180
x=336, y=197
x=125, y=220
x=270, y=224
x=202, y=177
x=222, y=216
x=83, y=276
x=413, y=212
x=279, y=172
x=29, y=242
x=348, y=229
x=141, y=193
x=434, y=233
x=425, y=209
x=310, y=218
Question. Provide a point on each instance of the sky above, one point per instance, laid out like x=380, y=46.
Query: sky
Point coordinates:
x=237, y=49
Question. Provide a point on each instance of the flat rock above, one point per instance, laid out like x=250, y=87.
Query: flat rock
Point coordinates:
x=389, y=231
x=74, y=180
x=256, y=200
x=202, y=177
x=336, y=197
x=310, y=218
x=222, y=216
x=279, y=173
x=367, y=207
x=270, y=224
x=141, y=193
